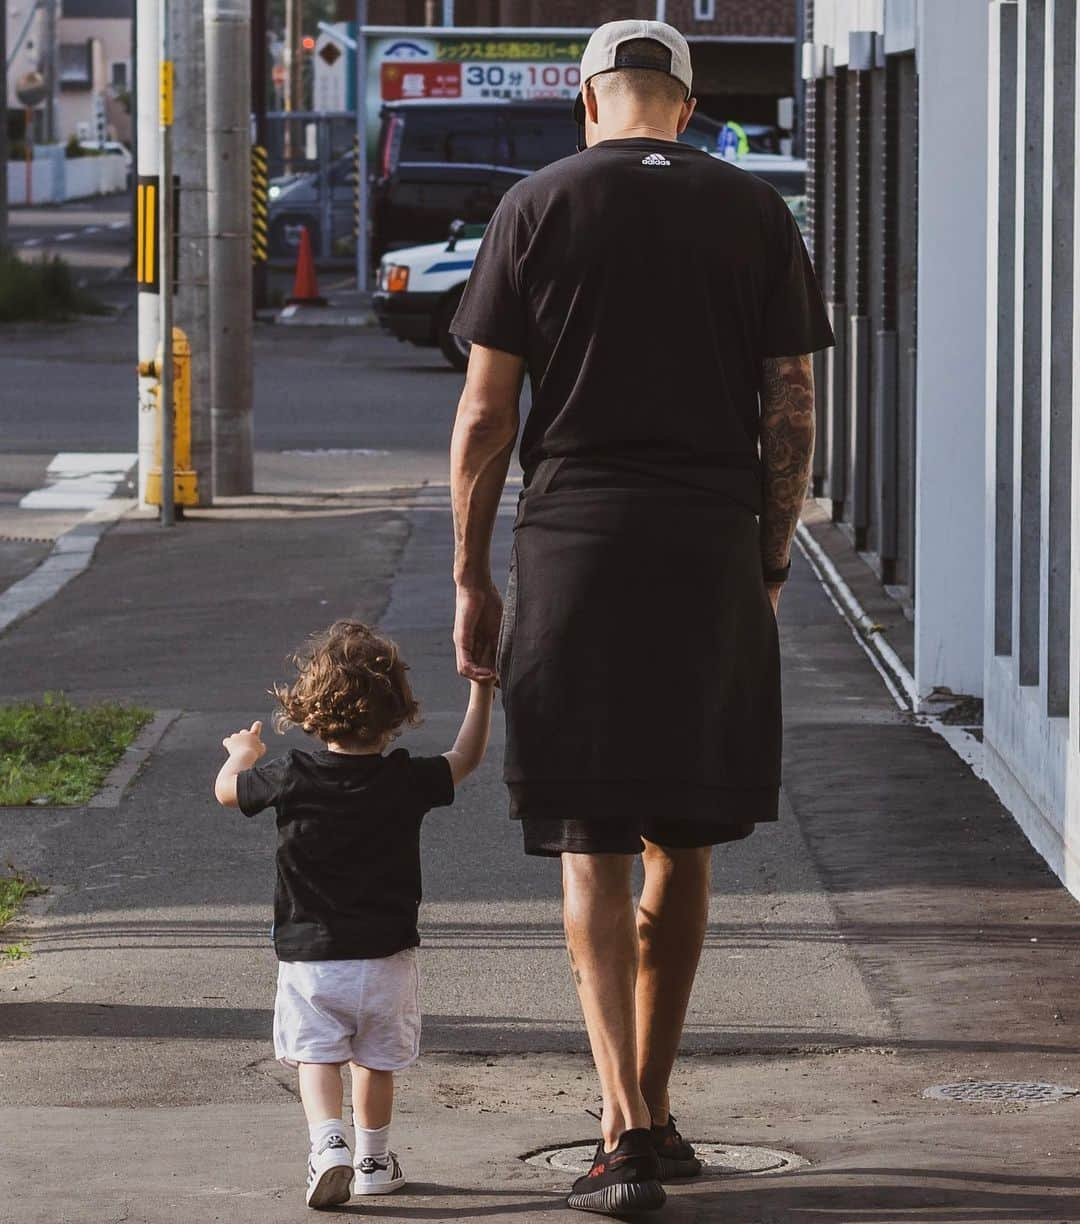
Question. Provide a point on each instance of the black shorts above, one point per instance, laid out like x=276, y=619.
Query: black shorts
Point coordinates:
x=639, y=665
x=551, y=837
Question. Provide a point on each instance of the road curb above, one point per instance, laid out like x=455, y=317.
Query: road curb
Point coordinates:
x=900, y=681
x=71, y=554
x=135, y=757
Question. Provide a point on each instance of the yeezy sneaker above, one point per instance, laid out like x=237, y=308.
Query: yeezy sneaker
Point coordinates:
x=378, y=1175
x=330, y=1173
x=621, y=1182
x=677, y=1157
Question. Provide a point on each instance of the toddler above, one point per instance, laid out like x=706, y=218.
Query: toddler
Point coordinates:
x=348, y=888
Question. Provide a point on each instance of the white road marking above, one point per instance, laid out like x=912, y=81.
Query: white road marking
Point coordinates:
x=30, y=242
x=78, y=481
x=66, y=236
x=119, y=224
x=92, y=229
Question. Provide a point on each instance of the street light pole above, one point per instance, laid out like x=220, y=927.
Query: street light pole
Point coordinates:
x=192, y=310
x=165, y=275
x=146, y=230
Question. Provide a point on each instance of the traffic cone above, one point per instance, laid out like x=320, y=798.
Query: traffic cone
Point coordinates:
x=305, y=286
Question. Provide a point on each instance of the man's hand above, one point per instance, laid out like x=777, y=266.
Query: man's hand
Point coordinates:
x=773, y=591
x=477, y=618
x=246, y=743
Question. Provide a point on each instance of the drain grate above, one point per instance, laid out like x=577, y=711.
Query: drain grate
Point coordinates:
x=718, y=1158
x=1000, y=1090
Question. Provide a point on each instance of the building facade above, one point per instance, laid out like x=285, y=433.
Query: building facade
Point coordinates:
x=744, y=50
x=943, y=185
x=93, y=65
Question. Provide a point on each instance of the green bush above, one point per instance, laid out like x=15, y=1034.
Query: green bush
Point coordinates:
x=44, y=289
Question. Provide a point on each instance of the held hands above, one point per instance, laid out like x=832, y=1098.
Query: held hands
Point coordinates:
x=477, y=618
x=246, y=743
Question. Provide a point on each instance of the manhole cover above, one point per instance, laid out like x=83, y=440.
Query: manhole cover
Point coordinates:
x=719, y=1158
x=999, y=1090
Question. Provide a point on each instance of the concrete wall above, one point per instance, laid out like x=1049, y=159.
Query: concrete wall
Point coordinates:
x=56, y=178
x=952, y=51
x=1032, y=526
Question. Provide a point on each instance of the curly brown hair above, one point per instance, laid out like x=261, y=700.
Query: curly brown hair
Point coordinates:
x=351, y=683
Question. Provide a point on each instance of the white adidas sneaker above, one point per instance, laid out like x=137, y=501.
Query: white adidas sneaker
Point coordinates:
x=378, y=1175
x=330, y=1173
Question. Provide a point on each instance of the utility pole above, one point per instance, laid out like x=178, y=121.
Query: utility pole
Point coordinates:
x=228, y=98
x=146, y=254
x=294, y=68
x=165, y=274
x=259, y=58
x=363, y=238
x=3, y=128
x=193, y=259
x=49, y=62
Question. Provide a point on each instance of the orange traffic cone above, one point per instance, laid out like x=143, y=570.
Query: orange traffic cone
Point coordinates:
x=305, y=286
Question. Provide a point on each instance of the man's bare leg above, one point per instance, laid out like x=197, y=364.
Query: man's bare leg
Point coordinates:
x=671, y=920
x=601, y=937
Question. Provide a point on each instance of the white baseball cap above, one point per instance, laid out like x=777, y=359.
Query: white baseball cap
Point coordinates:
x=602, y=54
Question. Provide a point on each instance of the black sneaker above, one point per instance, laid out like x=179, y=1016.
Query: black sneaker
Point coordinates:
x=677, y=1157
x=623, y=1181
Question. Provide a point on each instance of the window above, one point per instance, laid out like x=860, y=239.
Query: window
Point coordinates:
x=704, y=10
x=540, y=137
x=118, y=74
x=76, y=71
x=450, y=134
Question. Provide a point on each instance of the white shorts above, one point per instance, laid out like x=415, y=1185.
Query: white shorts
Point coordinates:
x=362, y=1011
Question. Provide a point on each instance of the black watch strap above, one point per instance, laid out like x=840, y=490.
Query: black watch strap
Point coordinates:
x=774, y=577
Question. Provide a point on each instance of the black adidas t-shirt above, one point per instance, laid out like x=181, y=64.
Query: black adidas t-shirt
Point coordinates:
x=348, y=855
x=644, y=282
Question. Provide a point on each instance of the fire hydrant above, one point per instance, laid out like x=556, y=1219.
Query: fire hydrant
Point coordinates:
x=185, y=481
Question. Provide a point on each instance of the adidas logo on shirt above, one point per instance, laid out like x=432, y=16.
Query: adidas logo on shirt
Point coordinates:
x=655, y=159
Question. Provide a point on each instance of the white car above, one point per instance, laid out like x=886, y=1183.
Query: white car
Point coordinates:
x=419, y=287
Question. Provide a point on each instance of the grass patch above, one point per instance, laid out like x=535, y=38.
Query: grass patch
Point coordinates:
x=53, y=752
x=43, y=290
x=14, y=890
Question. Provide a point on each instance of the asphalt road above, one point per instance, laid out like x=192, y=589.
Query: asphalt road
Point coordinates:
x=72, y=387
x=94, y=236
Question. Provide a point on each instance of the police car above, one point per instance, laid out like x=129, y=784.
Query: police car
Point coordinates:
x=419, y=287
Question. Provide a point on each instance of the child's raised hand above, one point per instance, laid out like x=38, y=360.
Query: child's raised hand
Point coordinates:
x=245, y=741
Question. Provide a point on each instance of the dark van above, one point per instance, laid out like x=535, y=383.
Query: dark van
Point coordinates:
x=444, y=161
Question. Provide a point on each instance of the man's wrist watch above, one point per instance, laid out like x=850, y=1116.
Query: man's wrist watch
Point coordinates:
x=775, y=577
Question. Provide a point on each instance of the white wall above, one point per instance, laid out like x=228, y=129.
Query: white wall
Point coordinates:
x=952, y=54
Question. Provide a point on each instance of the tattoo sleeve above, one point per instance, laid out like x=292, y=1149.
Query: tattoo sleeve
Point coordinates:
x=787, y=451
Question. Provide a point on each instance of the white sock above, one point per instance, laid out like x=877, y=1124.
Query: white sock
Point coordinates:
x=320, y=1131
x=374, y=1143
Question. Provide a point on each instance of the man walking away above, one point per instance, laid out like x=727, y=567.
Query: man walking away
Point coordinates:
x=663, y=305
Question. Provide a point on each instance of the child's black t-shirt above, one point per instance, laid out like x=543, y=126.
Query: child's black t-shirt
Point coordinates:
x=348, y=855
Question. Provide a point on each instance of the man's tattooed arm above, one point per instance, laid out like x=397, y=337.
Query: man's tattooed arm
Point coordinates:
x=787, y=451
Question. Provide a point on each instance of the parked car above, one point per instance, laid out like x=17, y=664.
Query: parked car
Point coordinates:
x=295, y=203
x=436, y=162
x=441, y=161
x=418, y=288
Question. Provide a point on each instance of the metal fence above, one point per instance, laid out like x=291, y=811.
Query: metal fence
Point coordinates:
x=862, y=146
x=313, y=185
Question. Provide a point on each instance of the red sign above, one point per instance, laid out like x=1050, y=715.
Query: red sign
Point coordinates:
x=410, y=79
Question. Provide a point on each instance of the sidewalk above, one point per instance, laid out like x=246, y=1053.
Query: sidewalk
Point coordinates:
x=892, y=932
